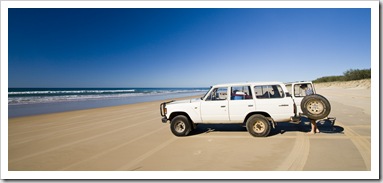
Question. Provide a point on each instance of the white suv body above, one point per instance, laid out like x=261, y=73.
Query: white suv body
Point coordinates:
x=236, y=103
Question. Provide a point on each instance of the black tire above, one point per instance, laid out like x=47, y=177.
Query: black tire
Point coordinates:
x=258, y=126
x=180, y=126
x=315, y=106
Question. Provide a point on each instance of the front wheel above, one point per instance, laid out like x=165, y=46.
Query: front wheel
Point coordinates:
x=180, y=126
x=258, y=126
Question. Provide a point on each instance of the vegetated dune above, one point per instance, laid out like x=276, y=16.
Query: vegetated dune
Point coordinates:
x=362, y=84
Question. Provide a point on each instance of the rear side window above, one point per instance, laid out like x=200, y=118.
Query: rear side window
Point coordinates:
x=268, y=91
x=241, y=93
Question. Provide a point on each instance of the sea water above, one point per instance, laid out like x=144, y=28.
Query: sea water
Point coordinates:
x=33, y=101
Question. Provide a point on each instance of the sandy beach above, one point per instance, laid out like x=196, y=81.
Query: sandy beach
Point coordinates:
x=133, y=138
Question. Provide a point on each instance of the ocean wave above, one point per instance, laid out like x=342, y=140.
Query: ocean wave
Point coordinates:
x=90, y=92
x=42, y=97
x=68, y=92
x=63, y=98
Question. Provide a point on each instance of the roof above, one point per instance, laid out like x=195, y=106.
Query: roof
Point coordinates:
x=249, y=83
x=298, y=82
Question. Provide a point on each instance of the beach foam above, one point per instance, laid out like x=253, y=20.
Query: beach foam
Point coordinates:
x=35, y=96
x=30, y=104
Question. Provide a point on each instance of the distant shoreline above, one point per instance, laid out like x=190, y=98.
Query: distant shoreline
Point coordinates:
x=56, y=107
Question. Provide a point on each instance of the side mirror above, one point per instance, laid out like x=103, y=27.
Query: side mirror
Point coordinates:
x=288, y=94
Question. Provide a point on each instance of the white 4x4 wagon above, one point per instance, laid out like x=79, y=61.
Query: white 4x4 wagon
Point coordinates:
x=258, y=106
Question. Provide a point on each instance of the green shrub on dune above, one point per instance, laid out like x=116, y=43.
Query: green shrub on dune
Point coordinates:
x=349, y=75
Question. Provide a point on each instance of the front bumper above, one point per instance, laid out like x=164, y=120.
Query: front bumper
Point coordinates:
x=164, y=119
x=163, y=111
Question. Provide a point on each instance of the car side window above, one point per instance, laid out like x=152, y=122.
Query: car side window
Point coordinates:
x=217, y=94
x=241, y=93
x=268, y=91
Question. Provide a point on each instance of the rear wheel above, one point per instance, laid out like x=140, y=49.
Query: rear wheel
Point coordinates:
x=258, y=126
x=315, y=106
x=180, y=126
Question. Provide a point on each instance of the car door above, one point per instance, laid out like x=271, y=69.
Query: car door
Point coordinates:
x=273, y=100
x=299, y=94
x=241, y=103
x=214, y=109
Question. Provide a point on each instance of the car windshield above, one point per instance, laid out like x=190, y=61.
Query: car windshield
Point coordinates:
x=206, y=93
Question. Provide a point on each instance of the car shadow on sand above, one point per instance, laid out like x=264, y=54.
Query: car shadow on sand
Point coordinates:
x=305, y=127
x=208, y=128
x=324, y=126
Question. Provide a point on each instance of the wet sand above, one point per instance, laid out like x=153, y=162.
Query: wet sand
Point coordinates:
x=133, y=138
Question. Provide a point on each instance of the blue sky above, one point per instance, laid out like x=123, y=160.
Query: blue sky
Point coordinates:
x=183, y=47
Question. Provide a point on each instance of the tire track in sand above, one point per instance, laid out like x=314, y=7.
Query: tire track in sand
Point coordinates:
x=132, y=165
x=298, y=156
x=360, y=142
x=73, y=130
x=52, y=126
x=112, y=149
x=77, y=142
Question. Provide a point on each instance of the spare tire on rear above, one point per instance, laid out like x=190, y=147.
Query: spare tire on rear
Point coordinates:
x=315, y=106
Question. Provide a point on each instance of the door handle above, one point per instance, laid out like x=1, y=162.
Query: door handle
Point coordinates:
x=250, y=105
x=222, y=106
x=283, y=105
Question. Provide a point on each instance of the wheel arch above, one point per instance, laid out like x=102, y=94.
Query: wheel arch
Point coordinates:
x=177, y=113
x=265, y=114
